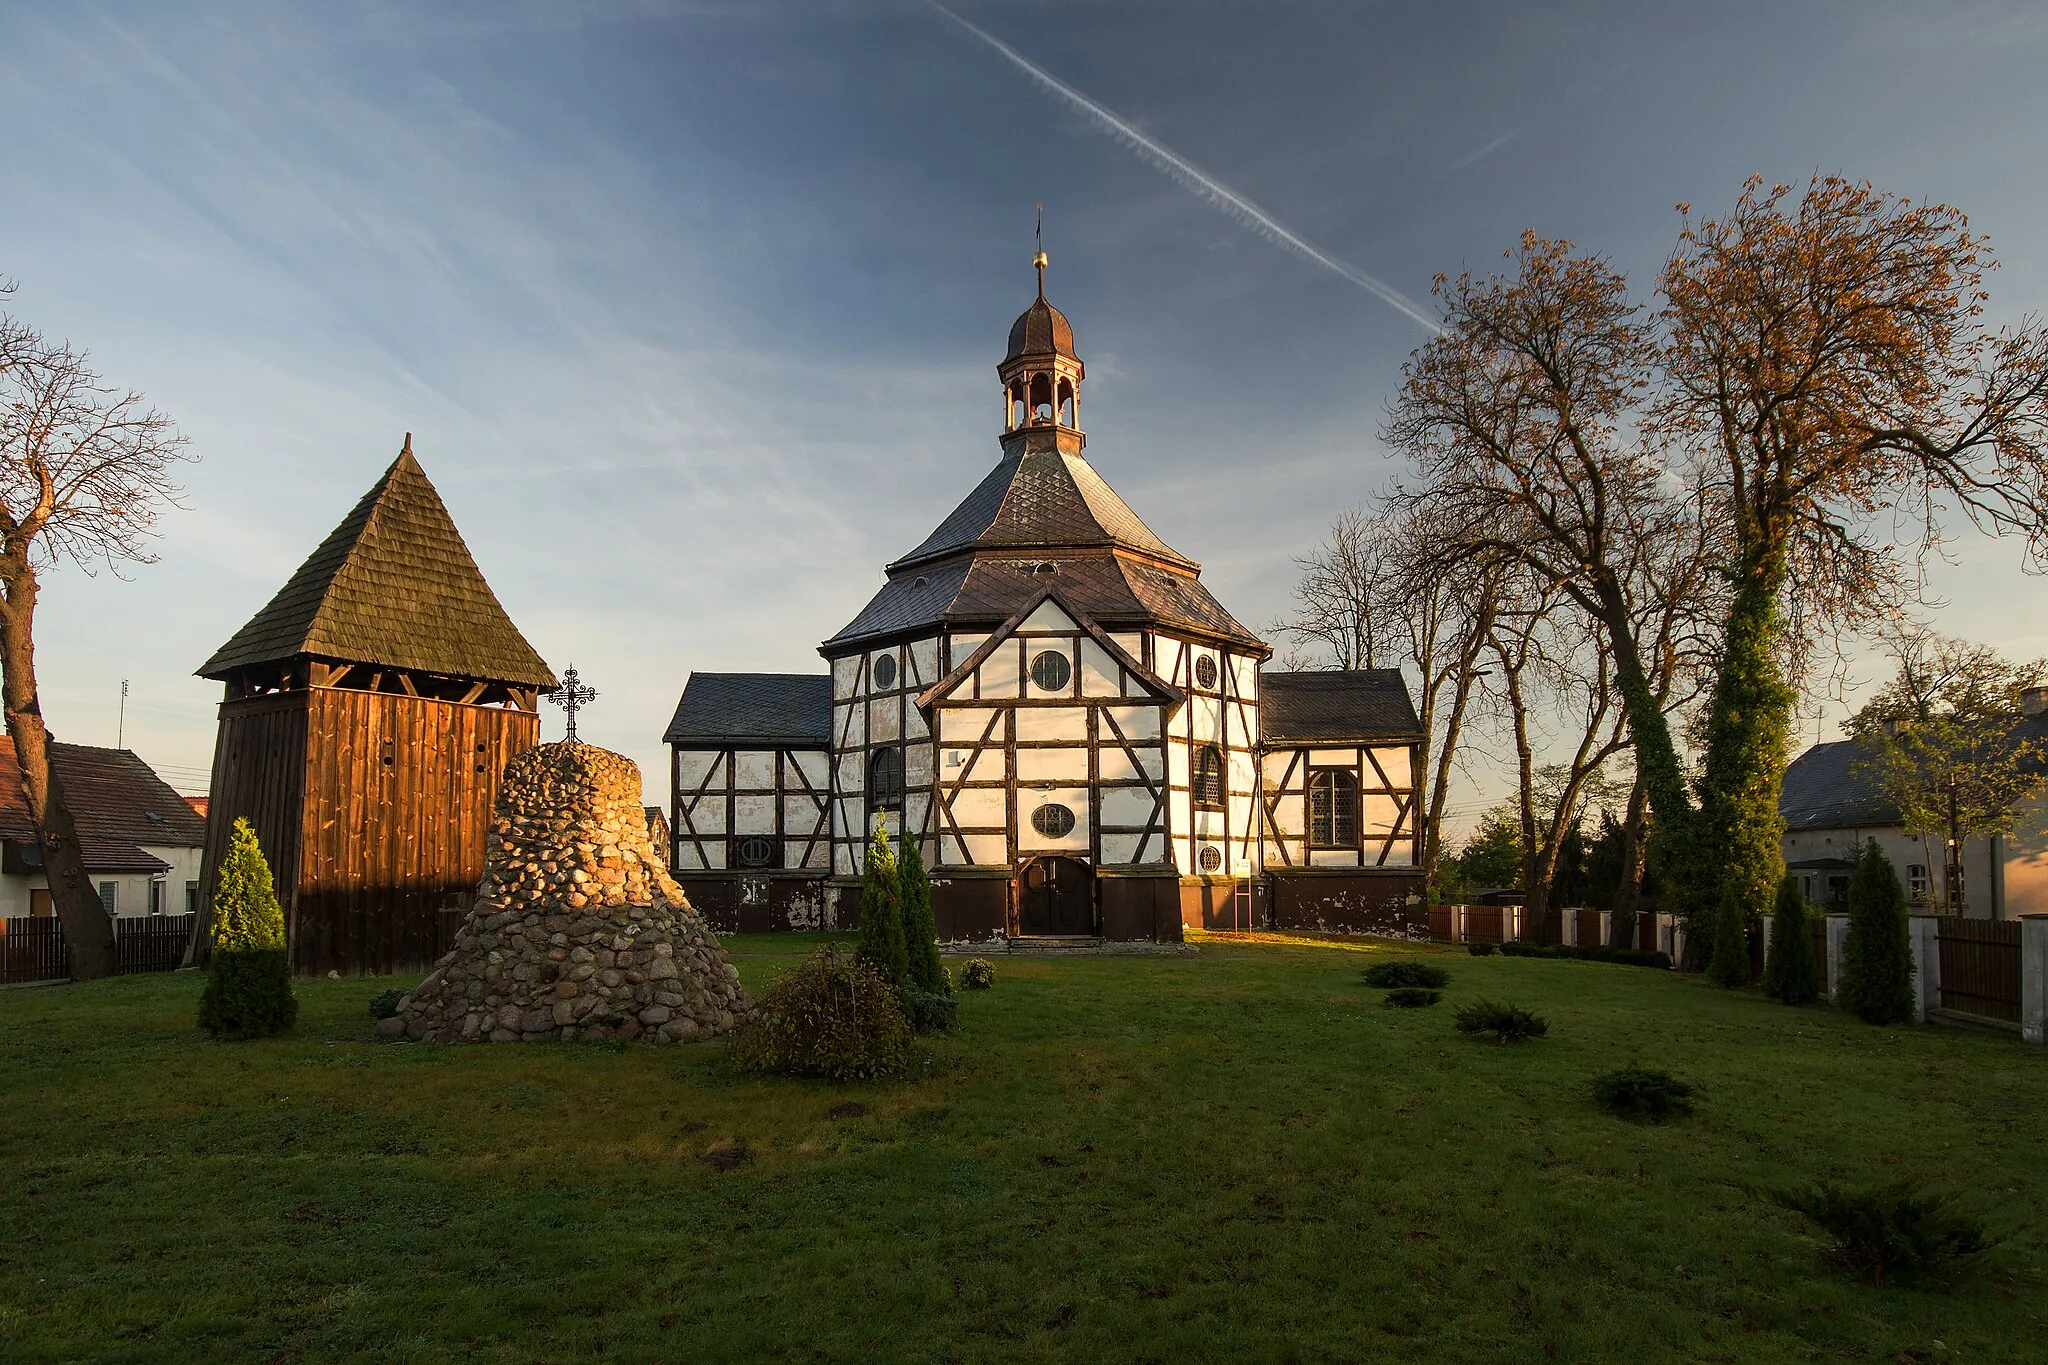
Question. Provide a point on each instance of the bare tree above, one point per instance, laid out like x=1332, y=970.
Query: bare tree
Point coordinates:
x=84, y=473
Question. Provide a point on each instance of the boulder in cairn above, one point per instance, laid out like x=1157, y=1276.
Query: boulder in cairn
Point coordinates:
x=577, y=931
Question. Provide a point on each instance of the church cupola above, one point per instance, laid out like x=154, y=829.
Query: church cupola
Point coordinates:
x=1041, y=374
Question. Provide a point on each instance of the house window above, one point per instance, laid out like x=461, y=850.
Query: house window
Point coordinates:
x=191, y=898
x=756, y=850
x=1332, y=808
x=1205, y=671
x=1053, y=820
x=1051, y=671
x=1208, y=777
x=885, y=780
x=110, y=897
x=156, y=895
x=885, y=671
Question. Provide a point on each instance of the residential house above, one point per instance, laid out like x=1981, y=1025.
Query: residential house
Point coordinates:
x=141, y=839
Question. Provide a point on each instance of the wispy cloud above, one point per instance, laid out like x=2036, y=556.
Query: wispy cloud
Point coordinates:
x=1488, y=150
x=1195, y=178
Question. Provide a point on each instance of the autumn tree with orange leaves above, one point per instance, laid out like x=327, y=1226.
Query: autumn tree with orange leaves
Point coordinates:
x=1814, y=403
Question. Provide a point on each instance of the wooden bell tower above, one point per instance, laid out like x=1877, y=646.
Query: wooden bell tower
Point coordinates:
x=369, y=711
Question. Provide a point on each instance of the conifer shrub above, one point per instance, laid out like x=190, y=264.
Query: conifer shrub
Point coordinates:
x=1479, y=949
x=1728, y=967
x=249, y=978
x=881, y=943
x=977, y=974
x=1407, y=972
x=834, y=1016
x=929, y=1011
x=1898, y=1232
x=1507, y=1023
x=920, y=933
x=1877, y=956
x=384, y=1004
x=1413, y=997
x=1790, y=975
x=1643, y=1095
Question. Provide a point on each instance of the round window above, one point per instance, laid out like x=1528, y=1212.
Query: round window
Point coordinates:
x=1205, y=671
x=753, y=851
x=1051, y=671
x=885, y=671
x=1212, y=858
x=1053, y=820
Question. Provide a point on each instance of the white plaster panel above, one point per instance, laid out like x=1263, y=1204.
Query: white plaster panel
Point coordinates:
x=1127, y=805
x=714, y=856
x=1289, y=817
x=1048, y=616
x=755, y=770
x=1395, y=763
x=1136, y=722
x=916, y=806
x=1277, y=762
x=952, y=850
x=1244, y=674
x=1120, y=848
x=1113, y=763
x=692, y=765
x=1244, y=725
x=1130, y=642
x=820, y=856
x=1100, y=675
x=1180, y=855
x=980, y=806
x=1053, y=722
x=1332, y=758
x=1238, y=770
x=851, y=732
x=1204, y=713
x=924, y=662
x=800, y=814
x=882, y=721
x=1177, y=763
x=917, y=765
x=1332, y=857
x=964, y=724
x=851, y=778
x=982, y=765
x=844, y=672
x=987, y=850
x=815, y=765
x=753, y=815
x=1378, y=813
x=1074, y=799
x=999, y=671
x=915, y=726
x=964, y=647
x=1052, y=765
x=686, y=859
x=707, y=814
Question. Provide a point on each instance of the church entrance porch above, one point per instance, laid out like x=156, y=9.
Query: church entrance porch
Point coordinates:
x=1056, y=899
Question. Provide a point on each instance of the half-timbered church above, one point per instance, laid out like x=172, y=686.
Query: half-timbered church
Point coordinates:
x=1084, y=740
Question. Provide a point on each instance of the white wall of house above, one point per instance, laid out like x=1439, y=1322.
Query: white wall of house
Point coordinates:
x=1918, y=861
x=131, y=889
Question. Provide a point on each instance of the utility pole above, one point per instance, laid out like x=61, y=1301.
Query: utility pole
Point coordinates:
x=121, y=725
x=1955, y=852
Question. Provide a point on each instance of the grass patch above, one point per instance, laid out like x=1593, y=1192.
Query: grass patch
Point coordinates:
x=1236, y=1155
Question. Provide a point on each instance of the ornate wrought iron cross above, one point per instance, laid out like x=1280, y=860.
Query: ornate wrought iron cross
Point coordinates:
x=572, y=696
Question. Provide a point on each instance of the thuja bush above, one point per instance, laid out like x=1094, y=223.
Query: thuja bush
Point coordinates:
x=1790, y=975
x=882, y=945
x=1507, y=1023
x=249, y=979
x=384, y=1004
x=834, y=1017
x=1407, y=972
x=1479, y=949
x=930, y=1012
x=1413, y=997
x=1728, y=967
x=920, y=933
x=1643, y=1095
x=977, y=974
x=1896, y=1232
x=1877, y=955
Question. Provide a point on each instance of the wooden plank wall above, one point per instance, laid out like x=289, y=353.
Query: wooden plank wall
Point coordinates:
x=397, y=810
x=259, y=765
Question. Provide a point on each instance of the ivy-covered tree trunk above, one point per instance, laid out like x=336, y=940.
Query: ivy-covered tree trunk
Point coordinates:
x=1738, y=839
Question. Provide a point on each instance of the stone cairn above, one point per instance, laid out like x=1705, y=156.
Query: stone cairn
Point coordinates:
x=577, y=931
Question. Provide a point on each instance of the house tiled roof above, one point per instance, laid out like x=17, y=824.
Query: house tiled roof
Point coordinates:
x=1336, y=704
x=394, y=584
x=768, y=709
x=116, y=799
x=1824, y=790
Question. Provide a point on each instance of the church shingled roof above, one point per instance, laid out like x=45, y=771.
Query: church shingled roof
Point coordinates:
x=742, y=709
x=1040, y=498
x=393, y=584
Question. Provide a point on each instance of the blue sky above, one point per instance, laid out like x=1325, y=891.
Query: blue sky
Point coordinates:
x=693, y=309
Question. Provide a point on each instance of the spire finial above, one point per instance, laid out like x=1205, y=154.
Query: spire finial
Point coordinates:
x=406, y=449
x=1038, y=256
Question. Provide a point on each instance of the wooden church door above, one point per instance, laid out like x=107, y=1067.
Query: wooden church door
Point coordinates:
x=1056, y=898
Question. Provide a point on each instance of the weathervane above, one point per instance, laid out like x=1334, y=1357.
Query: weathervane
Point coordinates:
x=572, y=696
x=1038, y=243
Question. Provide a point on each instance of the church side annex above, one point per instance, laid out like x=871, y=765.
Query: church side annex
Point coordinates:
x=1084, y=741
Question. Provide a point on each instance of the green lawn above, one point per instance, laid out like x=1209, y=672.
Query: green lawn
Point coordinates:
x=1235, y=1155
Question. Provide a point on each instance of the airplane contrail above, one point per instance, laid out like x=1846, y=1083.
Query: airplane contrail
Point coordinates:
x=1195, y=178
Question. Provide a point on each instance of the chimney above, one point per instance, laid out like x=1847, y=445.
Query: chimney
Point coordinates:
x=2033, y=700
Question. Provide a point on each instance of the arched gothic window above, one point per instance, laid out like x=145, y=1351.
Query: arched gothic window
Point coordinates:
x=1333, y=808
x=885, y=780
x=1208, y=777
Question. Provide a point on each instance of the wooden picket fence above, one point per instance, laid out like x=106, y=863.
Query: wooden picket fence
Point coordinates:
x=1980, y=967
x=33, y=949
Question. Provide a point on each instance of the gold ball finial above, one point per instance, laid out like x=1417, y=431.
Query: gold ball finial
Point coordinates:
x=1039, y=260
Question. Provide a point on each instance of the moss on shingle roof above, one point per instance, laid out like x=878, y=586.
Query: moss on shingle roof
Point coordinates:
x=394, y=584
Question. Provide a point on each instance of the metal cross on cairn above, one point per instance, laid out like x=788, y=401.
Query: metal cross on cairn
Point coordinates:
x=572, y=696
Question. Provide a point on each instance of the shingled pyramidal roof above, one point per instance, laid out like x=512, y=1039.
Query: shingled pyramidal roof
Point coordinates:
x=1042, y=513
x=394, y=584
